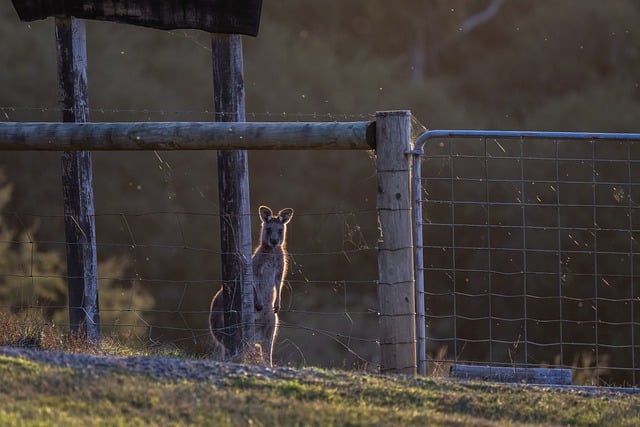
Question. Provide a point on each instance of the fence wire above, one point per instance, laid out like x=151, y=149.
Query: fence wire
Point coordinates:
x=530, y=251
x=158, y=247
x=155, y=288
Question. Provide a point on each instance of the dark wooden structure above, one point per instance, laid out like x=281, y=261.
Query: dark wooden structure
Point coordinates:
x=77, y=187
x=229, y=17
x=233, y=196
x=214, y=16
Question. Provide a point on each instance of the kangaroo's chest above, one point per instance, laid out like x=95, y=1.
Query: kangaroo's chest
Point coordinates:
x=266, y=267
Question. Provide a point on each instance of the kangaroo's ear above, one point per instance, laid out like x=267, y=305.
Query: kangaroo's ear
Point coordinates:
x=285, y=215
x=265, y=213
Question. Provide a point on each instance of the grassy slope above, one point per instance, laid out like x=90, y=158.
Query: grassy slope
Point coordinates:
x=34, y=394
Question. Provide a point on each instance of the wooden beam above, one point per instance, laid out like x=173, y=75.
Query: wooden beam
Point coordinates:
x=19, y=136
x=512, y=374
x=214, y=16
x=395, y=245
x=233, y=196
x=77, y=187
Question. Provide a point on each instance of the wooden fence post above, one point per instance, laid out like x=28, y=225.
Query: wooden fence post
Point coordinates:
x=77, y=188
x=233, y=194
x=395, y=245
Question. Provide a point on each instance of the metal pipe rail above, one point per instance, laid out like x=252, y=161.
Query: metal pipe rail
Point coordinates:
x=444, y=133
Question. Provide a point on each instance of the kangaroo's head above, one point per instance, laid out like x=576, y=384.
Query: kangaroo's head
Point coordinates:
x=274, y=227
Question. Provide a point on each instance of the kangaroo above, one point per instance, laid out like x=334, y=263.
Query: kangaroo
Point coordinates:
x=269, y=269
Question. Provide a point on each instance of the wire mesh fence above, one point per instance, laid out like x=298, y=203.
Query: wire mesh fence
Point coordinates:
x=531, y=252
x=155, y=288
x=157, y=228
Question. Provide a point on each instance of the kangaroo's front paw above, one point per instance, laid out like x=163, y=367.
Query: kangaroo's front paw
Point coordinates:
x=276, y=308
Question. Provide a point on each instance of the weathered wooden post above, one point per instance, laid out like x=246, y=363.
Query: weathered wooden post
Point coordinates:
x=395, y=245
x=77, y=186
x=233, y=196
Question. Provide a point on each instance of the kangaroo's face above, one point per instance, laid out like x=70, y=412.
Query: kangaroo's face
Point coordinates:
x=274, y=226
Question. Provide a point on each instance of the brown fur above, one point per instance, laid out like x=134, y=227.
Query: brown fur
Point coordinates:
x=269, y=270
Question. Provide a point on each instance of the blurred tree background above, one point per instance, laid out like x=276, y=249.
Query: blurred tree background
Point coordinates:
x=495, y=64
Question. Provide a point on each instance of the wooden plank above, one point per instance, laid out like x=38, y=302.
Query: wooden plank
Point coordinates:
x=512, y=374
x=395, y=248
x=214, y=16
x=77, y=188
x=233, y=195
x=19, y=136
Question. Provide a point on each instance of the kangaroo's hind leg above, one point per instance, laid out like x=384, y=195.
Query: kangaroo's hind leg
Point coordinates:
x=269, y=337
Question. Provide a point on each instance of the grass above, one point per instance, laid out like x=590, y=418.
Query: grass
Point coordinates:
x=31, y=331
x=36, y=394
